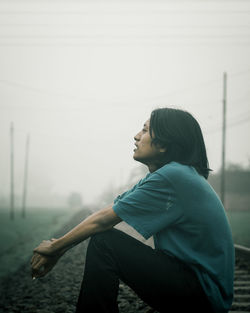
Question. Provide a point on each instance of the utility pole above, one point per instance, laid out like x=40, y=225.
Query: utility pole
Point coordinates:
x=25, y=176
x=224, y=101
x=12, y=171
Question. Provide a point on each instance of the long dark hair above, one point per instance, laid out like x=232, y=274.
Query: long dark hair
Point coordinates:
x=180, y=134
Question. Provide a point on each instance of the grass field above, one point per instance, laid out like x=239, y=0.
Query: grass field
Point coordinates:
x=18, y=237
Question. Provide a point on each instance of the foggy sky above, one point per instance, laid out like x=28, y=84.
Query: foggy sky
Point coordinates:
x=82, y=77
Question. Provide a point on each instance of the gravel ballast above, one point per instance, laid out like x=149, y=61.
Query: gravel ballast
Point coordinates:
x=58, y=291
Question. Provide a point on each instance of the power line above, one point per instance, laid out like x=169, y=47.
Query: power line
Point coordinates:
x=58, y=94
x=236, y=44
x=131, y=1
x=240, y=73
x=132, y=36
x=124, y=12
x=128, y=26
x=74, y=139
x=242, y=121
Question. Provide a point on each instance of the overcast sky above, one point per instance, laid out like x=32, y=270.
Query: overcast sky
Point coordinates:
x=82, y=77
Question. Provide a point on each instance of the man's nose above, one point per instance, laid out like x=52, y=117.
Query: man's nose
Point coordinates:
x=137, y=136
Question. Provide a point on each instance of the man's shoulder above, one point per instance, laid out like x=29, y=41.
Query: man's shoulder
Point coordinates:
x=176, y=172
x=175, y=168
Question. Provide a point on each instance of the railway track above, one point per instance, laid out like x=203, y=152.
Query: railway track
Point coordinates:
x=58, y=292
x=241, y=301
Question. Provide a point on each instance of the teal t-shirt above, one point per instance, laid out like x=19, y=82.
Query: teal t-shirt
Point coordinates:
x=182, y=212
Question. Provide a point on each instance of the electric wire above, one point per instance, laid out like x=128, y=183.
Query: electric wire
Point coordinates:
x=230, y=124
x=123, y=12
x=125, y=45
x=87, y=99
x=128, y=26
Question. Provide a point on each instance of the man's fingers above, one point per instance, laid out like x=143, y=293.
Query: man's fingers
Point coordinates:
x=41, y=265
x=45, y=271
x=35, y=259
x=38, y=262
x=32, y=259
x=38, y=271
x=42, y=271
x=38, y=265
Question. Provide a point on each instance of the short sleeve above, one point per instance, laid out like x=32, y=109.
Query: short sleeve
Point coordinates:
x=119, y=197
x=150, y=207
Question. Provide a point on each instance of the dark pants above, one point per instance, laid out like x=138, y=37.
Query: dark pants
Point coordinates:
x=163, y=282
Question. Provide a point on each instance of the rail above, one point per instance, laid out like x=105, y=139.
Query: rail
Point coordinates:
x=241, y=302
x=58, y=292
x=242, y=252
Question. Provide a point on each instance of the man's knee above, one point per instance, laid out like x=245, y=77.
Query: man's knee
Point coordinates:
x=102, y=235
x=103, y=243
x=102, y=238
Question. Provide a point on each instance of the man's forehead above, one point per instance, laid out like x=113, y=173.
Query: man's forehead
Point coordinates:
x=146, y=123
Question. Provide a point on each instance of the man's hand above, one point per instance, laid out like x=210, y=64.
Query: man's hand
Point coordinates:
x=42, y=264
x=48, y=252
x=46, y=247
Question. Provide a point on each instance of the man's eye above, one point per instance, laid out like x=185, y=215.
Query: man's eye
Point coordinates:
x=144, y=130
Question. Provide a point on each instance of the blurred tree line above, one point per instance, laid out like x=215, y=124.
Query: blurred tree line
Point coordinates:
x=75, y=200
x=111, y=192
x=46, y=200
x=237, y=179
x=237, y=186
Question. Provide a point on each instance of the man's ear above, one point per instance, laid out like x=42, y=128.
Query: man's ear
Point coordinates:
x=160, y=149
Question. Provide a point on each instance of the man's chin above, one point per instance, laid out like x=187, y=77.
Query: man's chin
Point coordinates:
x=138, y=159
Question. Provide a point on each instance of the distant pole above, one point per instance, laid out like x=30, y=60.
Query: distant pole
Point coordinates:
x=12, y=171
x=223, y=138
x=25, y=176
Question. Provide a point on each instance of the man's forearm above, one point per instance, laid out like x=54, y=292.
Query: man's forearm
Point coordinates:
x=96, y=222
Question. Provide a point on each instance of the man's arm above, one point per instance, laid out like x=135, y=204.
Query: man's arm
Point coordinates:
x=97, y=222
x=52, y=249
